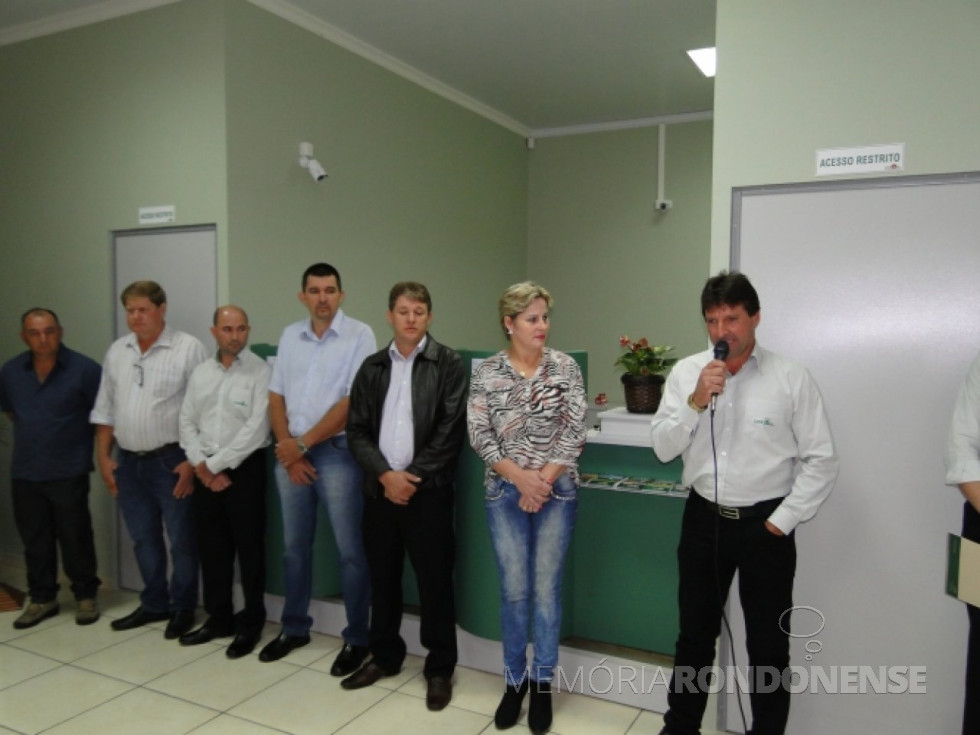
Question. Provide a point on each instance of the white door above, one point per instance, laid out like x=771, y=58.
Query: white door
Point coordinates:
x=872, y=285
x=184, y=261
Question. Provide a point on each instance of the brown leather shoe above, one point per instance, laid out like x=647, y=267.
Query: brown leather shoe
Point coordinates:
x=87, y=611
x=438, y=693
x=35, y=612
x=365, y=676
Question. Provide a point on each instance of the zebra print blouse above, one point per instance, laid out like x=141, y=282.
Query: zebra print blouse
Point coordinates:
x=532, y=421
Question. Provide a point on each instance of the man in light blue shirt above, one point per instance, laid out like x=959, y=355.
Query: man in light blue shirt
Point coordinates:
x=315, y=366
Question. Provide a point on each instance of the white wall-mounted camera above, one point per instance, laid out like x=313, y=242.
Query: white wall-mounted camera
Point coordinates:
x=307, y=161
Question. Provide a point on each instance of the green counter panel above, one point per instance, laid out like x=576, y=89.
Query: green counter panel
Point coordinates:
x=625, y=554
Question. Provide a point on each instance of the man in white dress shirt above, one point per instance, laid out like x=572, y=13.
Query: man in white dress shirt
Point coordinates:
x=224, y=429
x=143, y=381
x=963, y=471
x=316, y=362
x=760, y=462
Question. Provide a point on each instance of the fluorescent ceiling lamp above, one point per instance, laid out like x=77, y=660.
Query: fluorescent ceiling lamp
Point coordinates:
x=705, y=60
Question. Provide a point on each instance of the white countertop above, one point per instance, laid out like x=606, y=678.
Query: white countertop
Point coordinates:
x=619, y=426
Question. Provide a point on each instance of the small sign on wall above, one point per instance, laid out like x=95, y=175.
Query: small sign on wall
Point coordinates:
x=157, y=215
x=862, y=160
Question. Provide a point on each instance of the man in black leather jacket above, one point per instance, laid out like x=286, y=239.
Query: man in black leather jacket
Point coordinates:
x=405, y=428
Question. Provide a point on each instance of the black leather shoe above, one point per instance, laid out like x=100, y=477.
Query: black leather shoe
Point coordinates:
x=205, y=633
x=139, y=617
x=365, y=676
x=348, y=660
x=438, y=693
x=280, y=646
x=243, y=644
x=180, y=622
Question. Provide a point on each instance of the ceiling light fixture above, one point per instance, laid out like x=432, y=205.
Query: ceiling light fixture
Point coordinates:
x=705, y=60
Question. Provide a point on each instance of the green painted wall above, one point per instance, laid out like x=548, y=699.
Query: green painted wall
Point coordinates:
x=203, y=105
x=797, y=76
x=613, y=263
x=418, y=187
x=96, y=122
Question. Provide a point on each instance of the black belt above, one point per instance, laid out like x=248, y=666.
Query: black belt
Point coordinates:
x=155, y=452
x=738, y=513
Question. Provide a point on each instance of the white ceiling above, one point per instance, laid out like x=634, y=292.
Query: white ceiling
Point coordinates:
x=533, y=65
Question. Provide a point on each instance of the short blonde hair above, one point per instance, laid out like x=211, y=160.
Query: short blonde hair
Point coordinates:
x=518, y=297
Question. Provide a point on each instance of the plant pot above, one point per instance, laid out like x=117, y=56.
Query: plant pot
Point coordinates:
x=643, y=392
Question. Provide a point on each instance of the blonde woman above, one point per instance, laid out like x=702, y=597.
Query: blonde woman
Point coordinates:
x=526, y=420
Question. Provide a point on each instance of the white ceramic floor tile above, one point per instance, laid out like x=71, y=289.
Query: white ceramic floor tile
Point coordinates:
x=218, y=682
x=475, y=691
x=138, y=710
x=55, y=696
x=141, y=658
x=228, y=725
x=399, y=713
x=17, y=665
x=576, y=714
x=68, y=642
x=308, y=702
x=7, y=629
x=648, y=723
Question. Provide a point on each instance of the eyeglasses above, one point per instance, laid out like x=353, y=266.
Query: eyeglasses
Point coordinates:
x=138, y=375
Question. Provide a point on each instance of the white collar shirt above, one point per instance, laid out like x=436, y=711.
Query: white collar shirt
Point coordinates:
x=141, y=392
x=225, y=413
x=397, y=435
x=771, y=436
x=963, y=444
x=313, y=373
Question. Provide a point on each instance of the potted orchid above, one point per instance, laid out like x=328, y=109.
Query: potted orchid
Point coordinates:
x=646, y=366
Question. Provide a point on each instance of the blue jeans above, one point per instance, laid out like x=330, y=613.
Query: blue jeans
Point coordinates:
x=146, y=498
x=338, y=487
x=530, y=551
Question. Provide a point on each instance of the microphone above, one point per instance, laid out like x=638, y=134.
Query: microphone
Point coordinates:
x=721, y=352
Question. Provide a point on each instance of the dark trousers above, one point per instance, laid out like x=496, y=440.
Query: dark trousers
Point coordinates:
x=232, y=522
x=424, y=529
x=55, y=513
x=971, y=707
x=711, y=549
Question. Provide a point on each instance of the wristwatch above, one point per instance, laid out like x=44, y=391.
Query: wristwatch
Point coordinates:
x=303, y=449
x=695, y=407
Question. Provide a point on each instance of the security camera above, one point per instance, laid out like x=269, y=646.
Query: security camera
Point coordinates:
x=307, y=161
x=316, y=170
x=663, y=204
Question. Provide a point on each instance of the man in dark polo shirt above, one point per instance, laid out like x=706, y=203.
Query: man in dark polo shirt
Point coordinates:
x=48, y=393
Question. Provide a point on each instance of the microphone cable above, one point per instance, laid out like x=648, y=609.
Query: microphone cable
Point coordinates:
x=718, y=589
